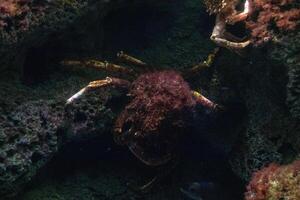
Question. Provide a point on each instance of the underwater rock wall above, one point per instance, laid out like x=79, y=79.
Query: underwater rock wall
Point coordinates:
x=267, y=82
x=32, y=125
x=31, y=24
x=271, y=95
x=27, y=24
x=276, y=24
x=287, y=53
x=32, y=133
x=89, y=117
x=268, y=88
x=29, y=138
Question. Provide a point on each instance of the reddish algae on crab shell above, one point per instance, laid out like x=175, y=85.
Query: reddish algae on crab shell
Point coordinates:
x=157, y=116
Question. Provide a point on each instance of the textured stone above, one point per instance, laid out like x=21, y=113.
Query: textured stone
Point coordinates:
x=30, y=136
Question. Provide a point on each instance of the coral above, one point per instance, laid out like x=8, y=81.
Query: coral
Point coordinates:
x=272, y=19
x=275, y=182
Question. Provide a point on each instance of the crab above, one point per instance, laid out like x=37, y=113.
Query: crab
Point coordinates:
x=160, y=109
x=226, y=13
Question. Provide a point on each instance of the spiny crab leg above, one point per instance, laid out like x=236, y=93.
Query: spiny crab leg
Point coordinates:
x=99, y=83
x=205, y=64
x=96, y=64
x=218, y=36
x=137, y=150
x=131, y=60
x=164, y=171
x=228, y=44
x=205, y=101
x=231, y=37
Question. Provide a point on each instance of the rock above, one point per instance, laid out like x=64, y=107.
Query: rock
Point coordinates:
x=34, y=132
x=30, y=27
x=267, y=131
x=266, y=80
x=30, y=136
x=275, y=182
x=88, y=116
x=286, y=52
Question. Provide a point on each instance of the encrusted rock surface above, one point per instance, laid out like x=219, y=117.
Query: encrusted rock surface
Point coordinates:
x=267, y=88
x=32, y=121
x=32, y=133
x=88, y=116
x=29, y=138
x=31, y=24
x=272, y=98
x=27, y=25
x=287, y=53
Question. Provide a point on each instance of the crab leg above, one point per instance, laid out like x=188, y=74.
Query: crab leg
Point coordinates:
x=131, y=60
x=232, y=37
x=163, y=172
x=99, y=65
x=228, y=44
x=207, y=63
x=218, y=34
x=205, y=101
x=241, y=16
x=99, y=83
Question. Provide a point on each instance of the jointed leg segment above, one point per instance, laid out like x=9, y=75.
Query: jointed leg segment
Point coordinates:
x=131, y=60
x=204, y=101
x=100, y=83
x=163, y=172
x=229, y=44
x=206, y=64
x=99, y=65
x=224, y=39
x=110, y=67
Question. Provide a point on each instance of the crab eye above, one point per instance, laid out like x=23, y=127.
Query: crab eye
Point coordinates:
x=127, y=130
x=127, y=127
